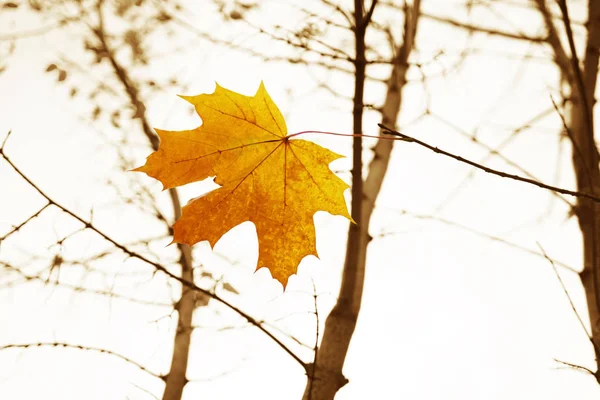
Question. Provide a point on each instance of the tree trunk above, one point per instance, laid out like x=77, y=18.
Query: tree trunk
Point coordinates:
x=585, y=163
x=176, y=379
x=581, y=83
x=328, y=377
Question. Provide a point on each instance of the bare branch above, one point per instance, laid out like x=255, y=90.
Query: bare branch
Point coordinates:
x=496, y=152
x=560, y=57
x=340, y=10
x=587, y=111
x=80, y=347
x=22, y=224
x=575, y=366
x=489, y=31
x=370, y=12
x=564, y=288
x=486, y=169
x=313, y=366
x=478, y=233
x=80, y=289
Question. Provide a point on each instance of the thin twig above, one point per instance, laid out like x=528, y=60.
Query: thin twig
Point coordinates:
x=159, y=267
x=587, y=111
x=29, y=278
x=369, y=15
x=575, y=366
x=22, y=224
x=316, y=348
x=495, y=152
x=481, y=29
x=487, y=169
x=80, y=347
x=340, y=10
x=491, y=152
x=564, y=288
x=478, y=233
x=571, y=137
x=560, y=57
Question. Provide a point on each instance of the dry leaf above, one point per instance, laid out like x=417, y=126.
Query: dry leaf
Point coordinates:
x=62, y=75
x=272, y=180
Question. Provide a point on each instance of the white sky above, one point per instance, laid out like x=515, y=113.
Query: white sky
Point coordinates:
x=446, y=314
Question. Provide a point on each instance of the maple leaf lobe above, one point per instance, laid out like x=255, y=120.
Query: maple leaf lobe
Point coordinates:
x=267, y=178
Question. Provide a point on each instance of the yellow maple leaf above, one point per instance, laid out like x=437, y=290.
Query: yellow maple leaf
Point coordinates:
x=266, y=177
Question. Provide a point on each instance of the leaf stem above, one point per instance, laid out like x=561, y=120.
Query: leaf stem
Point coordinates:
x=351, y=135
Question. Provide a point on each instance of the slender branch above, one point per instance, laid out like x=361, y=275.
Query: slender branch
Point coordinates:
x=123, y=77
x=344, y=56
x=142, y=389
x=587, y=111
x=22, y=224
x=560, y=57
x=369, y=15
x=316, y=348
x=574, y=142
x=487, y=169
x=340, y=10
x=575, y=366
x=61, y=23
x=478, y=233
x=75, y=288
x=337, y=55
x=481, y=29
x=496, y=152
x=159, y=267
x=80, y=347
x=564, y=288
x=324, y=19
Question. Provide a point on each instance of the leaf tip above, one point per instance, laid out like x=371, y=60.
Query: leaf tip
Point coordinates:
x=262, y=89
x=189, y=99
x=279, y=278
